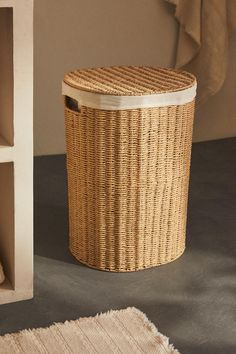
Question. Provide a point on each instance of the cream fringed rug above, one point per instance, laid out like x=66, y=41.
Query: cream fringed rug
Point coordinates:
x=124, y=331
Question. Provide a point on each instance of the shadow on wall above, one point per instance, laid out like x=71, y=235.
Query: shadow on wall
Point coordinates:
x=216, y=118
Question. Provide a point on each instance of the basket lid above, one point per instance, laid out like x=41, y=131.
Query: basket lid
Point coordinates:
x=130, y=80
x=129, y=87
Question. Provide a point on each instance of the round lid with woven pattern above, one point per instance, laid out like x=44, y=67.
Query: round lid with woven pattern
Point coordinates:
x=129, y=80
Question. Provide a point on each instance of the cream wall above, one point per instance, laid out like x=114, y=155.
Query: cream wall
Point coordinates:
x=76, y=33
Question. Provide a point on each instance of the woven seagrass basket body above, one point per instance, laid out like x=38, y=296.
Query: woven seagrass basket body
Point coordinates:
x=128, y=170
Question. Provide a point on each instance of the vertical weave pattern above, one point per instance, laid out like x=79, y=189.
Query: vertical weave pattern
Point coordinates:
x=128, y=174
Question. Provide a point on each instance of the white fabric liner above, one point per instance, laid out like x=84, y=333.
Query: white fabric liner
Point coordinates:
x=112, y=102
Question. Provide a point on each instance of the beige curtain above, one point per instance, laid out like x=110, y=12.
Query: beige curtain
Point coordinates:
x=205, y=26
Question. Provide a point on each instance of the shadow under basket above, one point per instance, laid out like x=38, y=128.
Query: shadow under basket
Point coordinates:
x=128, y=167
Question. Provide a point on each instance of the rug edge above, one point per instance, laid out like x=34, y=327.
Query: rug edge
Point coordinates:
x=153, y=327
x=135, y=310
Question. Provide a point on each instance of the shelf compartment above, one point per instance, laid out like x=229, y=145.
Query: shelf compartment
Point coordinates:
x=6, y=151
x=16, y=149
x=6, y=75
x=7, y=246
x=3, y=142
x=8, y=294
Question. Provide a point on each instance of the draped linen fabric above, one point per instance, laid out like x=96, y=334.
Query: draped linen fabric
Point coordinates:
x=205, y=26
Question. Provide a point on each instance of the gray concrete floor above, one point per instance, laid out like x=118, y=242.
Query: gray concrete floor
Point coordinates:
x=192, y=300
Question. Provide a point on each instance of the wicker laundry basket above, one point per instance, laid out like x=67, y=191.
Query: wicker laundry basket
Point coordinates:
x=129, y=143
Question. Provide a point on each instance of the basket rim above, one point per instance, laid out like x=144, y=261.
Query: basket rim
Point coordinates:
x=112, y=102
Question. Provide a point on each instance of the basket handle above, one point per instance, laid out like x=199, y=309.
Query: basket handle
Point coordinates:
x=72, y=104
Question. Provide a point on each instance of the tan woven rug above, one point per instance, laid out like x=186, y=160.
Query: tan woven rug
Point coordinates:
x=124, y=331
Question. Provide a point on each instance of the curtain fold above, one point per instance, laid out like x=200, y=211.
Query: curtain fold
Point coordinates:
x=205, y=26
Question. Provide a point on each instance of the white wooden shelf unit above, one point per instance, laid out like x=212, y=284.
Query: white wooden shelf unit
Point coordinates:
x=16, y=149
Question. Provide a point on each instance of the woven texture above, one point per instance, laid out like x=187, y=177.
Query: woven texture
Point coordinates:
x=128, y=175
x=129, y=80
x=124, y=331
